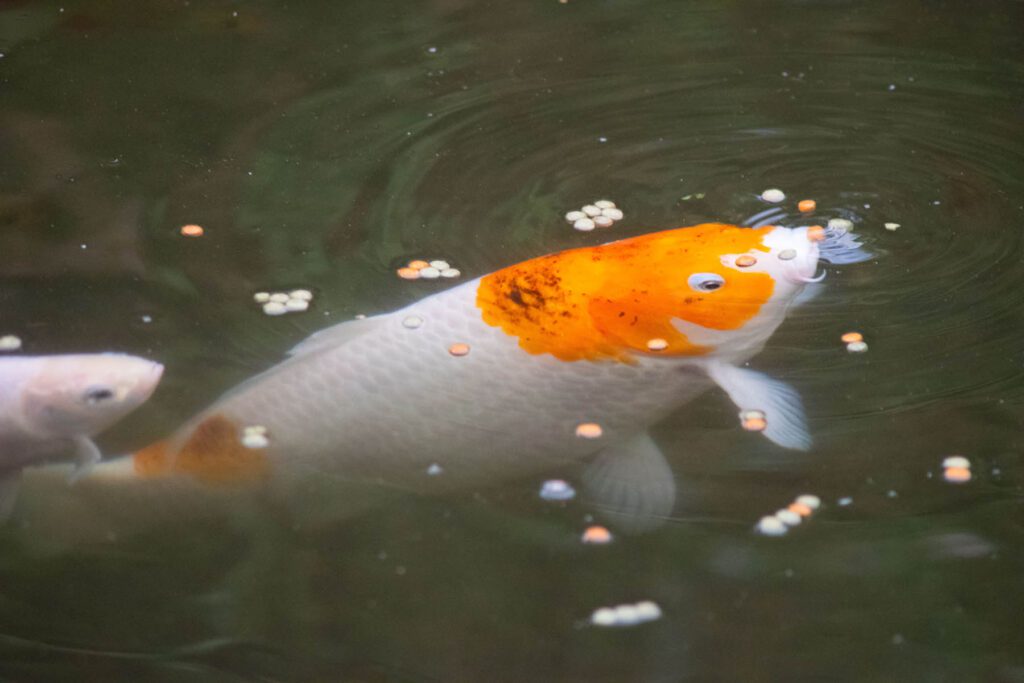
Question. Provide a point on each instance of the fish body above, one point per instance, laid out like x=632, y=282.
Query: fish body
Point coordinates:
x=490, y=379
x=51, y=406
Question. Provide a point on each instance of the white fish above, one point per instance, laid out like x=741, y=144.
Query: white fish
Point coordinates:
x=50, y=406
x=490, y=379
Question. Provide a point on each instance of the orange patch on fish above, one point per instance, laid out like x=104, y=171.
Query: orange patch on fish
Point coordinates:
x=213, y=454
x=606, y=302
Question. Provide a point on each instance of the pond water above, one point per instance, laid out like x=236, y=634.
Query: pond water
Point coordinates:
x=323, y=145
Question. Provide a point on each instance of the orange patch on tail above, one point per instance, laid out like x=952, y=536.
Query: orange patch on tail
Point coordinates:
x=213, y=454
x=606, y=302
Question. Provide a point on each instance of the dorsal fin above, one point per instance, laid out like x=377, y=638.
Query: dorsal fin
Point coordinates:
x=335, y=335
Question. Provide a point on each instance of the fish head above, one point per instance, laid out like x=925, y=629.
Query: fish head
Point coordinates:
x=83, y=394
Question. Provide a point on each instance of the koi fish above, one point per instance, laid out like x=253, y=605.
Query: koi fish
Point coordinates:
x=492, y=379
x=51, y=406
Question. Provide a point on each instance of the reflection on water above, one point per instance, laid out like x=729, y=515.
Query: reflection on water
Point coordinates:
x=326, y=145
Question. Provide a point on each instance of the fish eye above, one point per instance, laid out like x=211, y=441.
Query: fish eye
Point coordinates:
x=706, y=282
x=94, y=395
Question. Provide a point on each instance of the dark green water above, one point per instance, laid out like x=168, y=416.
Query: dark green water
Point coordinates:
x=324, y=144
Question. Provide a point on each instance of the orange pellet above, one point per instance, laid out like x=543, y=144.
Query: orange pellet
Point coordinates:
x=418, y=265
x=192, y=230
x=800, y=509
x=807, y=205
x=597, y=534
x=589, y=430
x=459, y=349
x=754, y=424
x=408, y=273
x=816, y=233
x=957, y=475
x=745, y=261
x=851, y=337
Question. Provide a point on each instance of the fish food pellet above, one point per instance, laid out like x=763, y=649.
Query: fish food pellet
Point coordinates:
x=261, y=297
x=840, y=224
x=279, y=297
x=851, y=337
x=626, y=615
x=657, y=344
x=589, y=430
x=892, y=226
x=591, y=210
x=773, y=195
x=275, y=308
x=192, y=230
x=771, y=526
x=957, y=461
x=800, y=509
x=408, y=273
x=788, y=517
x=9, y=342
x=648, y=610
x=412, y=322
x=604, y=616
x=810, y=500
x=584, y=224
x=745, y=261
x=957, y=475
x=255, y=439
x=787, y=254
x=430, y=273
x=296, y=305
x=807, y=205
x=440, y=265
x=604, y=204
x=596, y=535
x=574, y=216
x=458, y=349
x=614, y=214
x=816, y=233
x=857, y=347
x=418, y=264
x=603, y=221
x=301, y=294
x=451, y=272
x=753, y=420
x=435, y=470
x=557, y=489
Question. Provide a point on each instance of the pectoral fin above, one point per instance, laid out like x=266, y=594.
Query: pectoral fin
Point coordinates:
x=87, y=455
x=632, y=482
x=9, y=482
x=751, y=390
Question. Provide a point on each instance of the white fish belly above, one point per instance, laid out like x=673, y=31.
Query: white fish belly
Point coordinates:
x=385, y=406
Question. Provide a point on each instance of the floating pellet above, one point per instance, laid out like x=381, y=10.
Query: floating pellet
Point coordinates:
x=753, y=420
x=275, y=308
x=451, y=272
x=745, y=261
x=657, y=344
x=851, y=337
x=435, y=470
x=857, y=347
x=596, y=535
x=844, y=501
x=296, y=305
x=459, y=349
x=604, y=204
x=430, y=273
x=279, y=297
x=261, y=297
x=771, y=526
x=840, y=224
x=440, y=265
x=957, y=475
x=810, y=500
x=807, y=205
x=412, y=322
x=892, y=226
x=9, y=342
x=788, y=517
x=418, y=264
x=192, y=230
x=584, y=225
x=787, y=254
x=648, y=610
x=614, y=214
x=589, y=430
x=408, y=273
x=303, y=294
x=627, y=615
x=255, y=429
x=816, y=233
x=604, y=616
x=957, y=461
x=591, y=210
x=603, y=221
x=773, y=195
x=574, y=216
x=255, y=440
x=800, y=509
x=557, y=489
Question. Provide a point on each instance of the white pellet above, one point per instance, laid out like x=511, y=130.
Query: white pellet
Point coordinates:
x=255, y=441
x=957, y=461
x=9, y=342
x=584, y=224
x=440, y=265
x=574, y=216
x=603, y=221
x=303, y=294
x=787, y=254
x=604, y=616
x=892, y=226
x=604, y=204
x=296, y=305
x=840, y=224
x=626, y=615
x=275, y=308
x=261, y=297
x=773, y=195
x=788, y=517
x=809, y=500
x=557, y=489
x=613, y=213
x=430, y=273
x=279, y=297
x=591, y=210
x=435, y=470
x=451, y=272
x=771, y=526
x=857, y=347
x=648, y=610
x=412, y=322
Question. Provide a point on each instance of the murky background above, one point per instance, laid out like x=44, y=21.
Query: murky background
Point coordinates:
x=324, y=144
